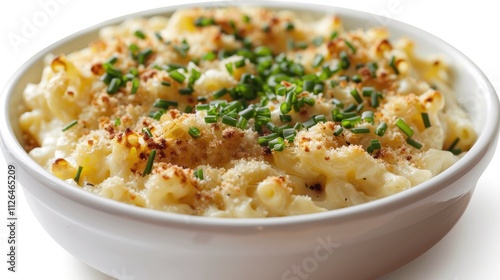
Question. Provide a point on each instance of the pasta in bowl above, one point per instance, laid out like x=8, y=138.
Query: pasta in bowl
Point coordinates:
x=244, y=113
x=112, y=236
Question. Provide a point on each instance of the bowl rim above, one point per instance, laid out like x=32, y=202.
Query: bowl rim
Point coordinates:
x=396, y=201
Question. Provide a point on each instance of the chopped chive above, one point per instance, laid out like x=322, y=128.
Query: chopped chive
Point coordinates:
x=310, y=77
x=182, y=49
x=360, y=130
x=113, y=86
x=367, y=116
x=195, y=75
x=367, y=91
x=289, y=26
x=318, y=88
x=218, y=103
x=166, y=83
x=188, y=109
x=263, y=51
x=413, y=143
x=147, y=131
x=301, y=45
x=393, y=65
x=289, y=134
x=404, y=127
x=106, y=78
x=139, y=34
x=298, y=126
x=174, y=66
x=280, y=90
x=203, y=22
x=158, y=36
x=344, y=60
x=374, y=100
x=232, y=24
x=279, y=147
x=127, y=77
x=186, y=91
x=78, y=173
x=112, y=60
x=133, y=48
x=333, y=35
x=338, y=103
x=144, y=55
x=360, y=107
x=149, y=164
x=264, y=140
x=350, y=108
x=285, y=107
x=157, y=115
x=381, y=128
x=210, y=119
x=453, y=144
x=319, y=118
x=229, y=120
x=285, y=118
x=372, y=66
x=375, y=144
x=356, y=78
x=263, y=111
x=242, y=123
x=283, y=128
x=194, y=132
x=262, y=120
x=336, y=115
x=350, y=122
x=135, y=85
x=309, y=101
x=220, y=93
x=209, y=56
x=177, y=76
x=359, y=65
x=291, y=97
x=202, y=107
x=338, y=131
x=277, y=144
x=229, y=67
x=425, y=119
x=317, y=41
x=248, y=113
x=118, y=121
x=239, y=63
x=344, y=78
x=356, y=96
x=272, y=127
x=308, y=85
x=326, y=72
x=275, y=140
x=246, y=18
x=164, y=104
x=309, y=123
x=70, y=125
x=318, y=60
x=198, y=174
x=349, y=44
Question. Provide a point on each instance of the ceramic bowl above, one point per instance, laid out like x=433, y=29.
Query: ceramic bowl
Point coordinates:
x=360, y=242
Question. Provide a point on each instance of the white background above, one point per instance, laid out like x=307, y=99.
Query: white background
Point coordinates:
x=470, y=251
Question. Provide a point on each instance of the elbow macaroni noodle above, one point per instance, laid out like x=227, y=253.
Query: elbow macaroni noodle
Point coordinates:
x=319, y=170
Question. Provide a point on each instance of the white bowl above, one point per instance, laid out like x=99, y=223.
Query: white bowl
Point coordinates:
x=359, y=242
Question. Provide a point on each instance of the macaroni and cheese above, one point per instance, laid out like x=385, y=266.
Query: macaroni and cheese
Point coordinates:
x=244, y=112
